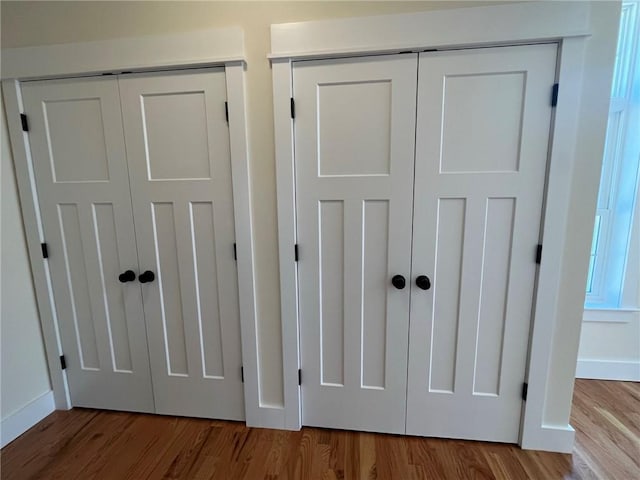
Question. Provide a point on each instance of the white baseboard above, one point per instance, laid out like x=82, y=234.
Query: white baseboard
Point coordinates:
x=19, y=422
x=608, y=370
x=550, y=438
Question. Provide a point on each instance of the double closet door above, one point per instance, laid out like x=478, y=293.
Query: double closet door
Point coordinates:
x=133, y=180
x=419, y=190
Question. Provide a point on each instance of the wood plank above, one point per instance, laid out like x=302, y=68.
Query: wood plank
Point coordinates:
x=45, y=441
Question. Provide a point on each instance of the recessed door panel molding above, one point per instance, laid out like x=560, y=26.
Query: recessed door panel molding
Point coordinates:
x=375, y=275
x=331, y=304
x=354, y=134
x=105, y=225
x=494, y=292
x=445, y=319
x=368, y=116
x=78, y=285
x=207, y=289
x=80, y=168
x=176, y=123
x=80, y=119
x=491, y=144
x=167, y=273
x=178, y=150
x=483, y=126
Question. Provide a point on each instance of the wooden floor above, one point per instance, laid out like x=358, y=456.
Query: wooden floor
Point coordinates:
x=90, y=444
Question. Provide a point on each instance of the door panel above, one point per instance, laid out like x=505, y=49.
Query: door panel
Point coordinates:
x=80, y=169
x=179, y=161
x=450, y=228
x=354, y=139
x=481, y=154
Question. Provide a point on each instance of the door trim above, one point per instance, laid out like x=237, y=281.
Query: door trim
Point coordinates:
x=215, y=47
x=566, y=24
x=202, y=48
x=475, y=26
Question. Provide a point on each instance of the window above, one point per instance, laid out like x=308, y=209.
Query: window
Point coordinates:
x=617, y=197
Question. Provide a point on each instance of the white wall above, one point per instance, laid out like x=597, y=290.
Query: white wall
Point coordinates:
x=27, y=23
x=24, y=377
x=610, y=340
x=610, y=350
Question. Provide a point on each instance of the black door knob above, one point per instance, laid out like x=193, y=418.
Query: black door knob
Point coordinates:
x=423, y=282
x=146, y=277
x=398, y=281
x=128, y=276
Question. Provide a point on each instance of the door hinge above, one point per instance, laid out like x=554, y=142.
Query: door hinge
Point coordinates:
x=63, y=362
x=295, y=252
x=539, y=253
x=525, y=389
x=299, y=377
x=242, y=374
x=554, y=94
x=235, y=252
x=24, y=122
x=226, y=111
x=293, y=108
x=45, y=250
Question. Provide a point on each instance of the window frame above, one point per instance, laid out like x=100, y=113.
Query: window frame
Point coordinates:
x=610, y=280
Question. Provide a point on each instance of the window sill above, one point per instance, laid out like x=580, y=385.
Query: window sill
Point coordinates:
x=611, y=315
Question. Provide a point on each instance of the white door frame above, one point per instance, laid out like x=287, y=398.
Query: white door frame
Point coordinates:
x=564, y=23
x=204, y=48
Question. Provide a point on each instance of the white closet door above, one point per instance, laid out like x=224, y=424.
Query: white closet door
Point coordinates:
x=481, y=154
x=80, y=168
x=179, y=162
x=354, y=148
